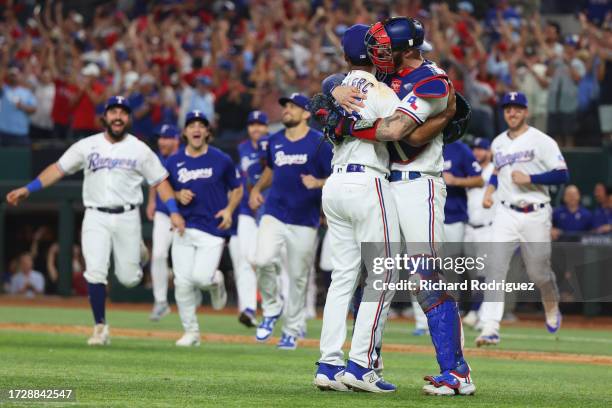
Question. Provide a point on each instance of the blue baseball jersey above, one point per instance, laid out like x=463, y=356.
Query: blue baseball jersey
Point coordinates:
x=250, y=168
x=288, y=199
x=602, y=216
x=210, y=177
x=460, y=162
x=564, y=219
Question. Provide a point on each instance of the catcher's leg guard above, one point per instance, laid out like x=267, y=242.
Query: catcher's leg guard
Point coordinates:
x=442, y=318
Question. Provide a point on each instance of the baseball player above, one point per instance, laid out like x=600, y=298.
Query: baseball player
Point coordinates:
x=168, y=144
x=417, y=185
x=297, y=164
x=251, y=168
x=359, y=208
x=478, y=231
x=203, y=178
x=526, y=162
x=115, y=164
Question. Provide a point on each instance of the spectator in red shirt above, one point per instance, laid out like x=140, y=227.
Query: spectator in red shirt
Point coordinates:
x=91, y=93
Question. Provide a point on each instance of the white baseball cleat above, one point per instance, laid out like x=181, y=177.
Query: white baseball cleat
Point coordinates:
x=159, y=310
x=471, y=319
x=487, y=338
x=451, y=382
x=218, y=294
x=189, y=339
x=553, y=321
x=329, y=377
x=360, y=378
x=100, y=336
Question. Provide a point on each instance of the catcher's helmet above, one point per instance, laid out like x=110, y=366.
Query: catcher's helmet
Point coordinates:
x=394, y=34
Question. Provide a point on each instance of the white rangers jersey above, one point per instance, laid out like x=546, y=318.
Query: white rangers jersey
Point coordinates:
x=477, y=214
x=533, y=152
x=424, y=93
x=381, y=102
x=113, y=172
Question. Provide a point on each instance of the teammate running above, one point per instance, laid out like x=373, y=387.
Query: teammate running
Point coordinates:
x=526, y=162
x=114, y=165
x=297, y=164
x=203, y=178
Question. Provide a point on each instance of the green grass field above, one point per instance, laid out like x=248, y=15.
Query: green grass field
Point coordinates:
x=154, y=373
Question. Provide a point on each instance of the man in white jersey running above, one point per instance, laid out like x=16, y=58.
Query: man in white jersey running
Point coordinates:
x=526, y=162
x=115, y=164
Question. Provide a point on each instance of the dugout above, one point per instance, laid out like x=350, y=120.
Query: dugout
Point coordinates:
x=18, y=166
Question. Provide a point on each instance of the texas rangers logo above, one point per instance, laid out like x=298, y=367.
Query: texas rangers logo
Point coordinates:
x=502, y=160
x=282, y=159
x=95, y=163
x=185, y=175
x=396, y=85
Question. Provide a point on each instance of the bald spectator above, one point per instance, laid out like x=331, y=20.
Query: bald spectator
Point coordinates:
x=571, y=217
x=26, y=281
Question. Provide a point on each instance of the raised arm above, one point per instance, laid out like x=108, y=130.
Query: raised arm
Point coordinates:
x=49, y=176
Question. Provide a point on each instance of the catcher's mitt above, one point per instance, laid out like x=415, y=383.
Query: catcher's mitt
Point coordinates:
x=327, y=112
x=458, y=125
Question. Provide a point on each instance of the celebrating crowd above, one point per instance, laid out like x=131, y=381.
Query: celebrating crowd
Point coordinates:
x=226, y=58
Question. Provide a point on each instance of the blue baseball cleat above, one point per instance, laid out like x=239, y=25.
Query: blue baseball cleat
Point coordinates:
x=359, y=378
x=287, y=342
x=451, y=382
x=329, y=377
x=265, y=329
x=554, y=324
x=487, y=338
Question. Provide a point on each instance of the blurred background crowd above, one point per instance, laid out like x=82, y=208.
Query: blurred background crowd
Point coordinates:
x=61, y=60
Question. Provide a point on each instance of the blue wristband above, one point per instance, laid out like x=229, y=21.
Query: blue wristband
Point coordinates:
x=172, y=206
x=493, y=180
x=34, y=185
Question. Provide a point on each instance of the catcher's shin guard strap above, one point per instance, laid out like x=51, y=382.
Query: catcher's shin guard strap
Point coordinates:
x=365, y=129
x=445, y=328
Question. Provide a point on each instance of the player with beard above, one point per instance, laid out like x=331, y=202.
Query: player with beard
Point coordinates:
x=115, y=163
x=297, y=164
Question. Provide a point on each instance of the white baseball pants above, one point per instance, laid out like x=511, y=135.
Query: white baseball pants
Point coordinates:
x=162, y=239
x=300, y=243
x=420, y=203
x=103, y=233
x=359, y=208
x=532, y=232
x=196, y=257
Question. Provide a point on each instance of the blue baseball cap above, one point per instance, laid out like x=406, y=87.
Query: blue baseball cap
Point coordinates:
x=297, y=99
x=481, y=143
x=169, y=132
x=353, y=44
x=118, y=100
x=514, y=98
x=196, y=115
x=257, y=116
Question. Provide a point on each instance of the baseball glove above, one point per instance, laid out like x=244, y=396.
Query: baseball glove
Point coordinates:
x=328, y=114
x=458, y=125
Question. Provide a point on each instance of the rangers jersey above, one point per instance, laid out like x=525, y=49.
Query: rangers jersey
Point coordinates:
x=381, y=102
x=113, y=172
x=533, y=152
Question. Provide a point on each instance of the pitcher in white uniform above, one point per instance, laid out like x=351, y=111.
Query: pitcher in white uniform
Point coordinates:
x=526, y=162
x=115, y=164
